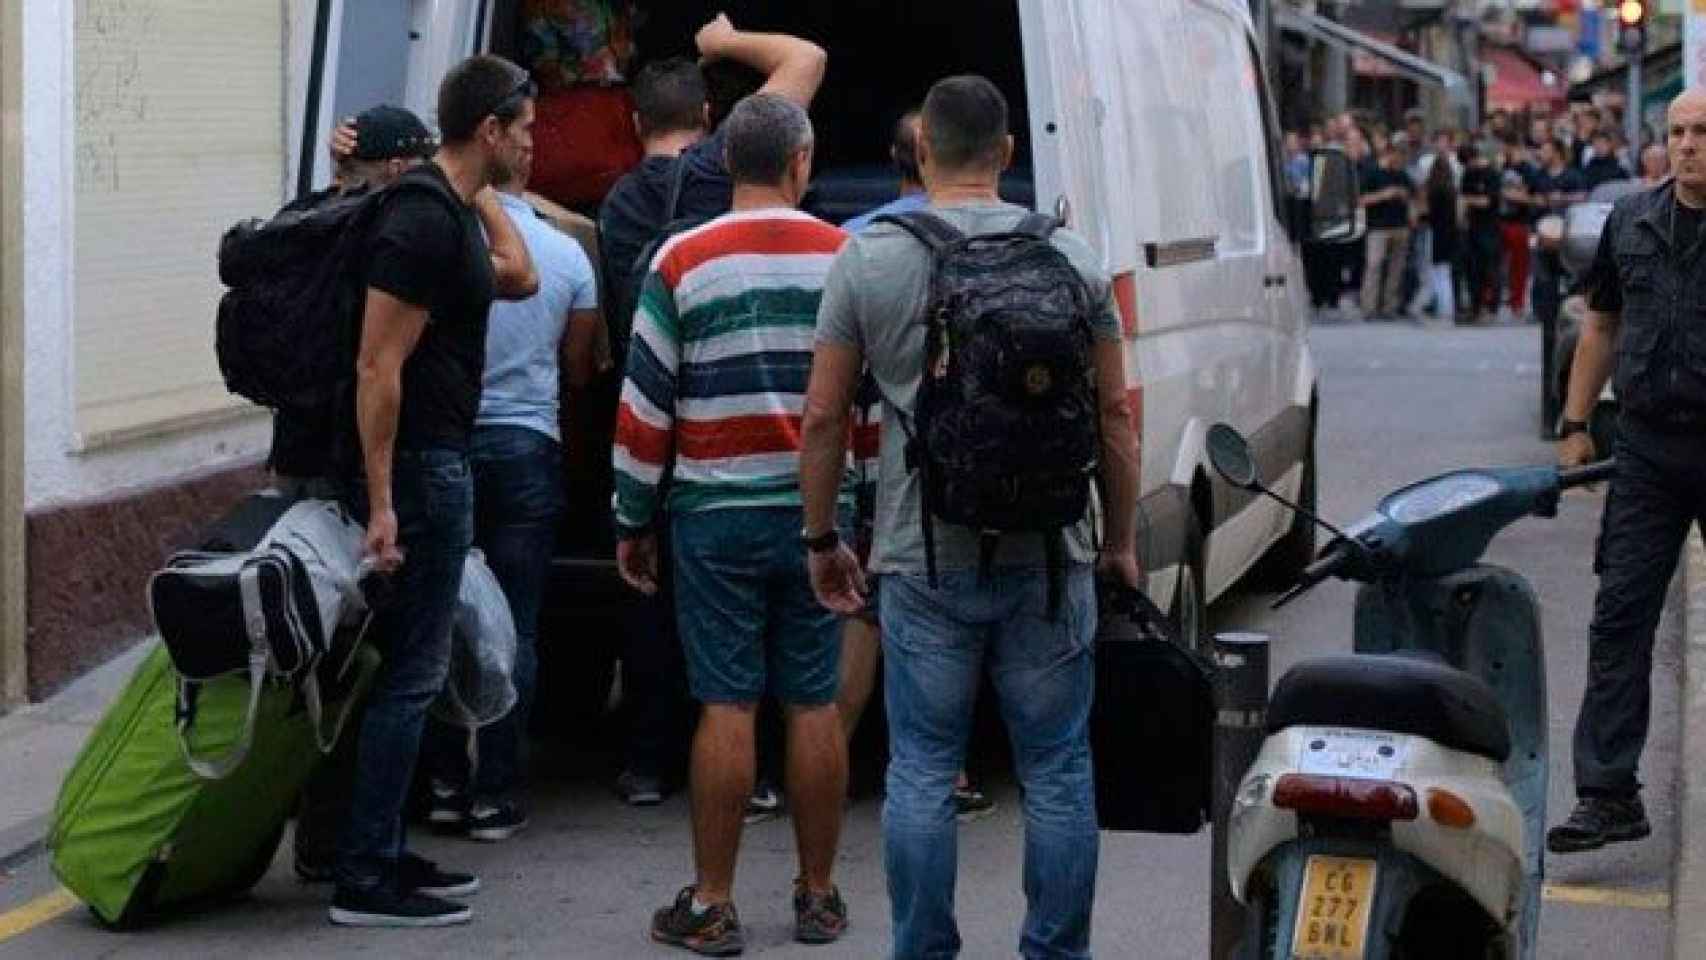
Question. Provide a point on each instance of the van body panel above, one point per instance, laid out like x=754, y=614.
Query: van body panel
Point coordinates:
x=1150, y=127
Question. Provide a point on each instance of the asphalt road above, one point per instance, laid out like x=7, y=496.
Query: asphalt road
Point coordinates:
x=1399, y=403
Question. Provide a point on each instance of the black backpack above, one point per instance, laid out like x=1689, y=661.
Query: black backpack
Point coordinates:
x=1004, y=435
x=289, y=323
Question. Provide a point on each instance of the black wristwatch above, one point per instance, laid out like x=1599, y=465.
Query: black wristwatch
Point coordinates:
x=823, y=542
x=1570, y=428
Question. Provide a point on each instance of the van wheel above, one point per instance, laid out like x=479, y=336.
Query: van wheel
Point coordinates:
x=1284, y=562
x=1188, y=614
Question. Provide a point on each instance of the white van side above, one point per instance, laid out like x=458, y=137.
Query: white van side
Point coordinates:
x=1145, y=123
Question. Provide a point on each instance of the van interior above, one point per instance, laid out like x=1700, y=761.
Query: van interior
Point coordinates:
x=883, y=57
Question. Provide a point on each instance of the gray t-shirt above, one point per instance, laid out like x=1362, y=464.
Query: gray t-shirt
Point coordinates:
x=874, y=300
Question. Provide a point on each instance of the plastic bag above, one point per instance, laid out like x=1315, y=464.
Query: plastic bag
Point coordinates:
x=481, y=688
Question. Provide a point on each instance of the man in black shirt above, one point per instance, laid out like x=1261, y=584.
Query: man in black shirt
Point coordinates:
x=1386, y=194
x=1602, y=165
x=673, y=118
x=1552, y=189
x=432, y=275
x=1480, y=192
x=1646, y=325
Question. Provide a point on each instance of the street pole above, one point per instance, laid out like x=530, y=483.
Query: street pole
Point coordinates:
x=1241, y=708
x=1632, y=110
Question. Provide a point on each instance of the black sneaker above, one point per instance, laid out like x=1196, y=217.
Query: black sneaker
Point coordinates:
x=385, y=907
x=639, y=790
x=420, y=875
x=713, y=933
x=495, y=822
x=971, y=804
x=818, y=917
x=449, y=806
x=1597, y=821
x=764, y=804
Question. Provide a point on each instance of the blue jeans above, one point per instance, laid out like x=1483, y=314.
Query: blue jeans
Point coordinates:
x=433, y=495
x=518, y=500
x=936, y=643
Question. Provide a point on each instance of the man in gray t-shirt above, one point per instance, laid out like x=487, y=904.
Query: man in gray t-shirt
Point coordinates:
x=875, y=301
x=936, y=639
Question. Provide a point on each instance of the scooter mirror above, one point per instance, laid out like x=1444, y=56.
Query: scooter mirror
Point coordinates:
x=1230, y=454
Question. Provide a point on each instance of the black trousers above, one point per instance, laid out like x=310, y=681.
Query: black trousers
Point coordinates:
x=1660, y=489
x=659, y=712
x=1481, y=265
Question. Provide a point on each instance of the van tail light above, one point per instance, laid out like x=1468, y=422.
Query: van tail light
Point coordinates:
x=1450, y=810
x=1346, y=797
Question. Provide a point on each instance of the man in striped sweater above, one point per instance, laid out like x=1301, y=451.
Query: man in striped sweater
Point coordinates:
x=715, y=391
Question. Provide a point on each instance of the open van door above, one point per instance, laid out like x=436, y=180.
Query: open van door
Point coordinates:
x=1067, y=115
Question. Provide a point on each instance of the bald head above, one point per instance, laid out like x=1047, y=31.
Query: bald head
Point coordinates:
x=1685, y=141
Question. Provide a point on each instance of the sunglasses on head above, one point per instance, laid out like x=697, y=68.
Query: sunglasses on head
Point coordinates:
x=525, y=89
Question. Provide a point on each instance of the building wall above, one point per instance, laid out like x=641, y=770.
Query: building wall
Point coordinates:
x=57, y=473
x=98, y=521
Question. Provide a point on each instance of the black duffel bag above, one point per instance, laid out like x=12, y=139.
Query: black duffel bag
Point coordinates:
x=1152, y=724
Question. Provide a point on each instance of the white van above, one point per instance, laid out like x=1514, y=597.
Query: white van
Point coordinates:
x=1147, y=124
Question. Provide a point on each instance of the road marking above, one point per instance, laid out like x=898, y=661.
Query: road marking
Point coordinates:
x=1607, y=897
x=37, y=912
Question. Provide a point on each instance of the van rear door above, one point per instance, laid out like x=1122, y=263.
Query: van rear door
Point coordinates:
x=1066, y=118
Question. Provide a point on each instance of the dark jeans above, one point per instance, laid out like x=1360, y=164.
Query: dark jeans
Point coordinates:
x=1548, y=286
x=518, y=500
x=1660, y=489
x=433, y=495
x=655, y=701
x=1481, y=263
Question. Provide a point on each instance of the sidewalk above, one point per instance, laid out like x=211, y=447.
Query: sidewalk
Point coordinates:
x=38, y=743
x=1689, y=926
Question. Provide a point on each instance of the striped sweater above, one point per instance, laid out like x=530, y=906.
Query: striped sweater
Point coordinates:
x=718, y=365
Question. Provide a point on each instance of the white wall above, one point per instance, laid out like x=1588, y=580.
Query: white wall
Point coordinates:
x=54, y=472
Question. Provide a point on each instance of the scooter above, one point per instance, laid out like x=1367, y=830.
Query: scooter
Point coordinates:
x=1397, y=807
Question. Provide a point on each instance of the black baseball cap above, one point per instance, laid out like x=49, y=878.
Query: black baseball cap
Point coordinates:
x=388, y=133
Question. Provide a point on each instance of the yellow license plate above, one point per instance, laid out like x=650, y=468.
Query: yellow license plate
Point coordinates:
x=1332, y=918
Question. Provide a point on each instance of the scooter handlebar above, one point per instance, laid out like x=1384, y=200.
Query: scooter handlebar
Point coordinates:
x=1338, y=554
x=1591, y=473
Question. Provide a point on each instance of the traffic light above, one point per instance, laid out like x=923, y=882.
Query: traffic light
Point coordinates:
x=1632, y=25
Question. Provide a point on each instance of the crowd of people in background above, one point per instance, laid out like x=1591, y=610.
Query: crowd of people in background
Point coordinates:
x=1457, y=241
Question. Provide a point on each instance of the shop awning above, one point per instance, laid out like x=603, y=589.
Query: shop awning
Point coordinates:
x=1401, y=62
x=1518, y=84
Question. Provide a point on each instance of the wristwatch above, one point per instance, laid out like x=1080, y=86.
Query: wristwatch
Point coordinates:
x=1570, y=428
x=821, y=543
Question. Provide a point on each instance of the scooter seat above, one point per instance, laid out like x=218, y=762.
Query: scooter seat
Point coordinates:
x=1398, y=693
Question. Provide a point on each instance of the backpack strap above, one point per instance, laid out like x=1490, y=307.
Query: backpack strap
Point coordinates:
x=677, y=179
x=928, y=228
x=1038, y=225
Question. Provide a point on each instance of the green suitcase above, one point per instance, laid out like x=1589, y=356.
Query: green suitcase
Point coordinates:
x=139, y=836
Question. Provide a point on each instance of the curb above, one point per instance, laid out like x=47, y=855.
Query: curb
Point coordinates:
x=1688, y=929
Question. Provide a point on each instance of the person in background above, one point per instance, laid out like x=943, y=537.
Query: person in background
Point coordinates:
x=1515, y=219
x=1386, y=195
x=1480, y=194
x=716, y=383
x=432, y=274
x=1440, y=200
x=516, y=454
x=1602, y=165
x=1655, y=165
x=581, y=52
x=903, y=153
x=1553, y=188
